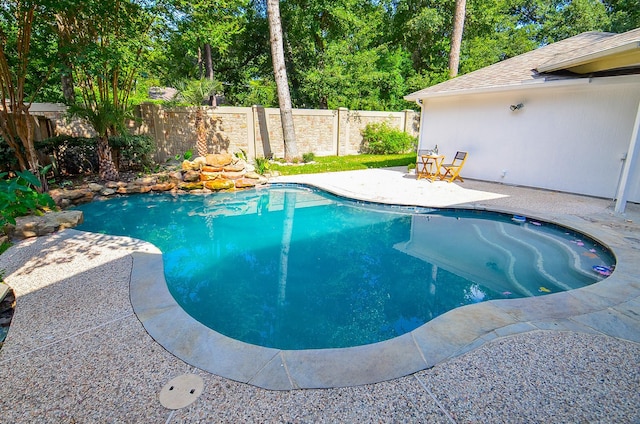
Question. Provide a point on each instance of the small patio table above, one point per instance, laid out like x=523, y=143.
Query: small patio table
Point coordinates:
x=429, y=166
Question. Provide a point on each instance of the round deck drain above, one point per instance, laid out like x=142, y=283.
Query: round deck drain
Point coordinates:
x=181, y=391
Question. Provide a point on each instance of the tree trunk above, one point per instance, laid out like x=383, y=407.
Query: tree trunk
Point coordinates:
x=64, y=26
x=456, y=37
x=201, y=133
x=107, y=168
x=208, y=62
x=68, y=91
x=280, y=74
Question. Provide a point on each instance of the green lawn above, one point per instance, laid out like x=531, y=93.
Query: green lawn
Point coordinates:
x=344, y=163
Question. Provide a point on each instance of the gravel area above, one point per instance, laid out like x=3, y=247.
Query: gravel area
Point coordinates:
x=76, y=351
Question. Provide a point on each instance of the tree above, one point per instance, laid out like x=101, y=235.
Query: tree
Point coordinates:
x=280, y=73
x=109, y=42
x=456, y=37
x=624, y=14
x=193, y=93
x=17, y=19
x=205, y=29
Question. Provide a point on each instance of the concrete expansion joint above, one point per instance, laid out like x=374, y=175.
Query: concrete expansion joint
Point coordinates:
x=415, y=343
x=435, y=399
x=64, y=339
x=286, y=370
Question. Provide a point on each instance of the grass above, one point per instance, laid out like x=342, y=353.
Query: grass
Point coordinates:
x=345, y=163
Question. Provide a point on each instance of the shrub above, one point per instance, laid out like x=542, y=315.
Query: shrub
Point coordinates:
x=73, y=155
x=185, y=156
x=381, y=139
x=77, y=155
x=19, y=197
x=262, y=165
x=308, y=157
x=132, y=150
x=8, y=159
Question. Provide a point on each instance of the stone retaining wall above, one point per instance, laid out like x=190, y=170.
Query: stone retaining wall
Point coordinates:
x=255, y=130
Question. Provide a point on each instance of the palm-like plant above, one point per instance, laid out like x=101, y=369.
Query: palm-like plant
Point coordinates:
x=106, y=119
x=194, y=93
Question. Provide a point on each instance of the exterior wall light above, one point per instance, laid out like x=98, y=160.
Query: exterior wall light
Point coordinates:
x=516, y=107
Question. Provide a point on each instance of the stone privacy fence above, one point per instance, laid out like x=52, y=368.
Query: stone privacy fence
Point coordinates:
x=255, y=130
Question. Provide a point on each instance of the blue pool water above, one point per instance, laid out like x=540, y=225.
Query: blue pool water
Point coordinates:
x=296, y=268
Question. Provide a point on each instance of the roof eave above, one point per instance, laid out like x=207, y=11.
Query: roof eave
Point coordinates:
x=583, y=60
x=498, y=88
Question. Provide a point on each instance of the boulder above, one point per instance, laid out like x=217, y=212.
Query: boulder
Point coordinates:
x=208, y=176
x=107, y=192
x=199, y=162
x=34, y=226
x=236, y=167
x=253, y=175
x=145, y=181
x=95, y=187
x=233, y=175
x=246, y=183
x=133, y=189
x=65, y=198
x=190, y=186
x=163, y=187
x=175, y=175
x=219, y=159
x=219, y=184
x=209, y=168
x=187, y=165
x=191, y=176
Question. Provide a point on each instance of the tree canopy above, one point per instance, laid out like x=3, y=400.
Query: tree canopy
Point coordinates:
x=359, y=54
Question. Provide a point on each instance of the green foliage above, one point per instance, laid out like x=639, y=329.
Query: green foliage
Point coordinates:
x=257, y=92
x=196, y=92
x=185, y=156
x=355, y=54
x=104, y=117
x=624, y=14
x=135, y=149
x=262, y=165
x=75, y=155
x=8, y=159
x=308, y=157
x=241, y=154
x=19, y=196
x=381, y=139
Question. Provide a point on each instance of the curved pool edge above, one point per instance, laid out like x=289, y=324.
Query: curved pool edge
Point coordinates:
x=444, y=337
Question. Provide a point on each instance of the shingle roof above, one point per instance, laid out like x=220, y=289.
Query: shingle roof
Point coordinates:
x=586, y=53
x=522, y=69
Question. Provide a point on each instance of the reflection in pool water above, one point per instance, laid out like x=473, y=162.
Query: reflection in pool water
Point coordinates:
x=296, y=268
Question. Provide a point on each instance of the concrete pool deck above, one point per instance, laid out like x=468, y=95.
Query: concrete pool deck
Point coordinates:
x=77, y=351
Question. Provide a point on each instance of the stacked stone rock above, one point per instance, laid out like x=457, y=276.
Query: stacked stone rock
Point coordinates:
x=219, y=172
x=211, y=173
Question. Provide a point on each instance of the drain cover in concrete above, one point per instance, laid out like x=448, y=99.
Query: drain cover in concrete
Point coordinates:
x=181, y=391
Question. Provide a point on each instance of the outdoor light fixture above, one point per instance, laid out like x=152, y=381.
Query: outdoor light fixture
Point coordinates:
x=516, y=107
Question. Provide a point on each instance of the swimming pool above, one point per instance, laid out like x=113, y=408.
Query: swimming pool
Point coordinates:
x=291, y=267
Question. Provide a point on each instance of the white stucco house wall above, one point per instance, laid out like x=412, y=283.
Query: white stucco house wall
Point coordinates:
x=563, y=117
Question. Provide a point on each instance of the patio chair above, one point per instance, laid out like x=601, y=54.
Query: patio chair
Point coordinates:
x=421, y=168
x=452, y=170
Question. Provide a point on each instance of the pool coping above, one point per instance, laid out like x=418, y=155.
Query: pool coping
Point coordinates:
x=444, y=337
